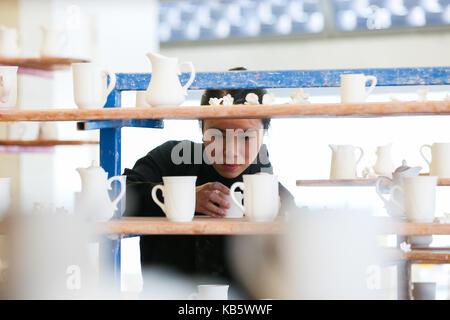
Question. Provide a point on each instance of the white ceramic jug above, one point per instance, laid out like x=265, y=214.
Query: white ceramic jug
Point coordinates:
x=9, y=42
x=53, y=42
x=94, y=200
x=384, y=165
x=165, y=89
x=344, y=162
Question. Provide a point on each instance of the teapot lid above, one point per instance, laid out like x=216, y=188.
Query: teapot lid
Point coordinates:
x=94, y=167
x=404, y=167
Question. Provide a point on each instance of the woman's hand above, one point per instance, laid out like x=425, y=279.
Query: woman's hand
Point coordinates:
x=207, y=198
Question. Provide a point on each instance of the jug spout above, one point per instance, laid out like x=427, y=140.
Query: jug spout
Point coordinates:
x=333, y=147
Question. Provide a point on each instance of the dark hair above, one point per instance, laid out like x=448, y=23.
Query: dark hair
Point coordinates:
x=238, y=95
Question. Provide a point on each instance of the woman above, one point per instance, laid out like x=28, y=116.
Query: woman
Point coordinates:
x=201, y=255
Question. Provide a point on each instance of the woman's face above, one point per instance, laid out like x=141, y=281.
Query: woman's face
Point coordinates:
x=233, y=144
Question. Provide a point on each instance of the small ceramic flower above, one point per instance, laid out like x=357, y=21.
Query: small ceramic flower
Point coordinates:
x=252, y=98
x=405, y=247
x=299, y=97
x=268, y=98
x=228, y=100
x=215, y=101
x=422, y=94
x=394, y=99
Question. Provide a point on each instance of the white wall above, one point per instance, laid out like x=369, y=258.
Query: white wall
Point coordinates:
x=390, y=51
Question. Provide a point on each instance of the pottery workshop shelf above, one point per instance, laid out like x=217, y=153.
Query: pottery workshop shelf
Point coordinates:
x=200, y=225
x=372, y=109
x=44, y=63
x=46, y=143
x=369, y=182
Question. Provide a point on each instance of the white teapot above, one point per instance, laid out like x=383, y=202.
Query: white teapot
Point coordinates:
x=9, y=42
x=344, y=162
x=94, y=200
x=397, y=180
x=165, y=89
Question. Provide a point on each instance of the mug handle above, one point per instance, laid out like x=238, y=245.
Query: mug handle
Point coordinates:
x=378, y=188
x=6, y=85
x=394, y=188
x=232, y=189
x=423, y=155
x=191, y=78
x=372, y=86
x=155, y=198
x=122, y=190
x=362, y=154
x=112, y=83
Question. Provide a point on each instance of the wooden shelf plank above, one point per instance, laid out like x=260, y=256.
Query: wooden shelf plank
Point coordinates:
x=415, y=229
x=361, y=182
x=199, y=226
x=371, y=109
x=45, y=143
x=44, y=63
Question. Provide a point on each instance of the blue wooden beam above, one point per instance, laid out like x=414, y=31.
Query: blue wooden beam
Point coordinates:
x=294, y=78
x=103, y=124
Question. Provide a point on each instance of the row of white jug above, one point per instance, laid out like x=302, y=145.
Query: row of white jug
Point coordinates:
x=345, y=160
x=32, y=130
x=52, y=45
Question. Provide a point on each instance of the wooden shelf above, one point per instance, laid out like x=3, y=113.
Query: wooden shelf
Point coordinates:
x=199, y=226
x=44, y=63
x=372, y=109
x=45, y=143
x=370, y=182
x=418, y=256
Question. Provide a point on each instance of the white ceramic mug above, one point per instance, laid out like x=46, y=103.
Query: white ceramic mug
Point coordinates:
x=419, y=198
x=423, y=290
x=210, y=292
x=48, y=131
x=90, y=85
x=234, y=211
x=440, y=159
x=261, y=200
x=53, y=42
x=30, y=131
x=5, y=196
x=8, y=87
x=15, y=130
x=179, y=197
x=353, y=87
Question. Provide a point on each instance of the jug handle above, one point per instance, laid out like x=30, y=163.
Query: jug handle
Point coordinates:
x=232, y=189
x=422, y=154
x=155, y=198
x=6, y=85
x=191, y=78
x=122, y=190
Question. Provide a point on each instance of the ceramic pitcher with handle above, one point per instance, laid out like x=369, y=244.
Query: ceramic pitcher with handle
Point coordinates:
x=344, y=161
x=165, y=89
x=94, y=198
x=384, y=165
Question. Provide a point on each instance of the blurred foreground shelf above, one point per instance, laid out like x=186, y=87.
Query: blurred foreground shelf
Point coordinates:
x=368, y=109
x=45, y=143
x=41, y=63
x=208, y=225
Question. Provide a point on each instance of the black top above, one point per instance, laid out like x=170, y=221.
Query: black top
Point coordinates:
x=204, y=255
